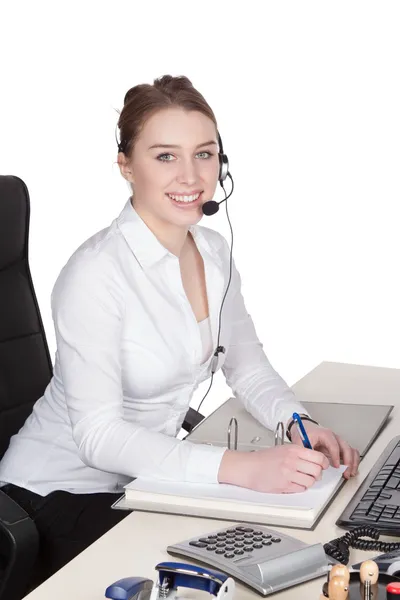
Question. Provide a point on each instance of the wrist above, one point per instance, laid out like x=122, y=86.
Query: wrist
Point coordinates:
x=233, y=468
x=289, y=427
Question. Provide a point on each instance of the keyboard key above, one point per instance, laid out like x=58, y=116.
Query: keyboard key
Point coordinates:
x=363, y=507
x=385, y=495
x=198, y=544
x=388, y=520
x=394, y=458
x=393, y=482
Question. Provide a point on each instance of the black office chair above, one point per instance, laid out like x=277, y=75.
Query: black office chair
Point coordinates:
x=25, y=371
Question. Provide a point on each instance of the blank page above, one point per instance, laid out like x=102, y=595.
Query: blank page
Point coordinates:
x=312, y=498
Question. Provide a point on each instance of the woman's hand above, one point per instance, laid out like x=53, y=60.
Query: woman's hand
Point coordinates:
x=331, y=445
x=281, y=469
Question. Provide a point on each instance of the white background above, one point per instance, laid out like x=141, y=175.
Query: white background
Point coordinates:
x=307, y=97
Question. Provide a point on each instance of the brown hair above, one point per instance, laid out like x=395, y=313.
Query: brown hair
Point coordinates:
x=143, y=100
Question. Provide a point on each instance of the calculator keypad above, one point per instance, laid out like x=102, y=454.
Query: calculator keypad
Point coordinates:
x=235, y=541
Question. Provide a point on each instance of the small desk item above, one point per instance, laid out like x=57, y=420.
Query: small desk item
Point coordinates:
x=172, y=575
x=356, y=588
x=231, y=502
x=338, y=588
x=279, y=434
x=262, y=558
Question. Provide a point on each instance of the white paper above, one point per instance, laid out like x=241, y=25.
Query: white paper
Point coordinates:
x=312, y=498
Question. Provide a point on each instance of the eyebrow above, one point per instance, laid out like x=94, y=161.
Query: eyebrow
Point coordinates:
x=175, y=146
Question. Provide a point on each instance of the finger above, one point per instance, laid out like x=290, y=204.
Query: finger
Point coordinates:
x=313, y=456
x=310, y=468
x=347, y=473
x=328, y=440
x=292, y=488
x=346, y=452
x=302, y=479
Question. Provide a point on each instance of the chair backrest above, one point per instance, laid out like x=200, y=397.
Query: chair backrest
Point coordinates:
x=25, y=363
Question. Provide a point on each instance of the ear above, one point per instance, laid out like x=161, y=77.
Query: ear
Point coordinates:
x=125, y=167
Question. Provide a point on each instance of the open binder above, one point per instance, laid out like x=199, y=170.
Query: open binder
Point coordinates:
x=222, y=501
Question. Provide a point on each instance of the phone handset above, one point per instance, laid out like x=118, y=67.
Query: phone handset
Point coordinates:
x=172, y=575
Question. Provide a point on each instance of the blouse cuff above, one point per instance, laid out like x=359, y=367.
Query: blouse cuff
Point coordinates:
x=203, y=463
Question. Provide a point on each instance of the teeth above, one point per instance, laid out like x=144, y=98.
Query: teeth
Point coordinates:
x=184, y=198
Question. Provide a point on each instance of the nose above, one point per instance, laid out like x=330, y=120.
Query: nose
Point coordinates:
x=188, y=171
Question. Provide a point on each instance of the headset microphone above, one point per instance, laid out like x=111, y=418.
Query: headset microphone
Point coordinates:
x=210, y=208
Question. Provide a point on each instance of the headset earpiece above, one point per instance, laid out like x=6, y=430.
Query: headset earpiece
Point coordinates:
x=223, y=162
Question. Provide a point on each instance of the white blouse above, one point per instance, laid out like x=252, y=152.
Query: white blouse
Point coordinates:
x=130, y=355
x=206, y=338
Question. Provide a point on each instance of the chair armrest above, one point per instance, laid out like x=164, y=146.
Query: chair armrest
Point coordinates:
x=192, y=419
x=18, y=529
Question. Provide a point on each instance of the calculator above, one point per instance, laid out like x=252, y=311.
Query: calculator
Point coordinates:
x=259, y=557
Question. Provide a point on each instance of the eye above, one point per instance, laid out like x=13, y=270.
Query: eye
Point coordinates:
x=206, y=152
x=161, y=158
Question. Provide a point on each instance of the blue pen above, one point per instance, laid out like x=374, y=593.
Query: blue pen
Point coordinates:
x=302, y=431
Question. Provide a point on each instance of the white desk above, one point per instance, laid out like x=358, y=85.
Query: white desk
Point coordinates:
x=137, y=544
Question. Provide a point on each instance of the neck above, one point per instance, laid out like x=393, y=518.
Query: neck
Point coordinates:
x=172, y=237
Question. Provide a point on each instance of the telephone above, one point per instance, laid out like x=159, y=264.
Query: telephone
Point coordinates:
x=172, y=575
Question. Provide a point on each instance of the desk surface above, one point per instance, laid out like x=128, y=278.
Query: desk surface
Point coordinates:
x=137, y=544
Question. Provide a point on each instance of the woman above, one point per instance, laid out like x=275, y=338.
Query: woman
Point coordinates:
x=135, y=312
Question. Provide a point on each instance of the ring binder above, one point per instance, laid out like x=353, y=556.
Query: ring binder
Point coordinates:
x=279, y=434
x=233, y=420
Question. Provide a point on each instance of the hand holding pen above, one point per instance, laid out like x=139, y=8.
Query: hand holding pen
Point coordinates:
x=313, y=436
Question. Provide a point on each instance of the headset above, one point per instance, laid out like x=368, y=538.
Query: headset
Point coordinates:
x=209, y=208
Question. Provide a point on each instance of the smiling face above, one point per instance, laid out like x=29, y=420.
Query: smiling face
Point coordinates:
x=174, y=167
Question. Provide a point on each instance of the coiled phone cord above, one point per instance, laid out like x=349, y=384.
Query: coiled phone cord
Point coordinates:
x=339, y=548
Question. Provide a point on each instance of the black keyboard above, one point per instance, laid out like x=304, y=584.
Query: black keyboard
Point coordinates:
x=377, y=501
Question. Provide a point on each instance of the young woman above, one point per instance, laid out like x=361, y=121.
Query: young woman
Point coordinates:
x=136, y=312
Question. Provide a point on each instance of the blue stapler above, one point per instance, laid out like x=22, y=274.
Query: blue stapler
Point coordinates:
x=170, y=577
